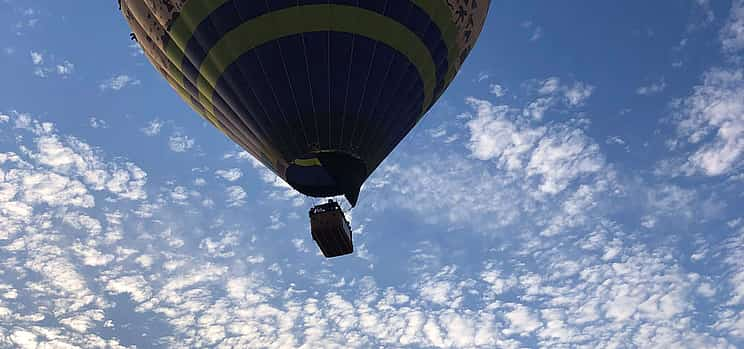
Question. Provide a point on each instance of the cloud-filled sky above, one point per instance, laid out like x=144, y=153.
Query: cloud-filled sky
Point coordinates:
x=580, y=184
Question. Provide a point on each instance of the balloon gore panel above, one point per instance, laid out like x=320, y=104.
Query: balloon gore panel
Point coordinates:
x=319, y=91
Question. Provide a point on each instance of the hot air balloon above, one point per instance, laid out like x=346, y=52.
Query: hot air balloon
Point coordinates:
x=319, y=91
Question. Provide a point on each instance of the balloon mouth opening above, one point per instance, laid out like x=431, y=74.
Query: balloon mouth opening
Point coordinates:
x=327, y=174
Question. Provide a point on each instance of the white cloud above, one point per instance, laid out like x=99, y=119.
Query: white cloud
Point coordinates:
x=482, y=76
x=536, y=31
x=493, y=135
x=550, y=86
x=553, y=93
x=236, y=196
x=24, y=339
x=152, y=128
x=136, y=286
x=37, y=58
x=563, y=157
x=179, y=194
x=65, y=69
x=705, y=6
x=558, y=157
x=714, y=110
x=578, y=93
x=95, y=122
x=118, y=82
x=522, y=321
x=230, y=175
x=180, y=143
x=41, y=72
x=653, y=88
x=497, y=90
x=538, y=107
x=732, y=34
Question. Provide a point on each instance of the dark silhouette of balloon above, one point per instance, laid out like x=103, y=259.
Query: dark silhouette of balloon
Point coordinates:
x=319, y=91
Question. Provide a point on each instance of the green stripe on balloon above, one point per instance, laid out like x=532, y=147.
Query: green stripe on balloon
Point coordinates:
x=440, y=13
x=193, y=13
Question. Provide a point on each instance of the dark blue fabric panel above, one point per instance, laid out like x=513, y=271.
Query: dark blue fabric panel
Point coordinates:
x=375, y=86
x=284, y=101
x=293, y=54
x=394, y=124
x=237, y=93
x=276, y=76
x=391, y=87
x=361, y=61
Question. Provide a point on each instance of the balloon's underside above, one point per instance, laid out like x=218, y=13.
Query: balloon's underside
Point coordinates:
x=318, y=91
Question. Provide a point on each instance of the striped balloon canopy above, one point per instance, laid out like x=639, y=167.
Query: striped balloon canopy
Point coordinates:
x=319, y=91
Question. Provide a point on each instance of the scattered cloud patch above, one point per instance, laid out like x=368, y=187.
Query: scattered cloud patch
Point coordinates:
x=118, y=82
x=482, y=76
x=577, y=93
x=153, y=128
x=65, y=69
x=552, y=92
x=37, y=58
x=652, y=89
x=732, y=34
x=230, y=175
x=536, y=31
x=180, y=143
x=712, y=119
x=236, y=196
x=497, y=90
x=95, y=122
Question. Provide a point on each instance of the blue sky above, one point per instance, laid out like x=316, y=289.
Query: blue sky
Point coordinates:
x=580, y=184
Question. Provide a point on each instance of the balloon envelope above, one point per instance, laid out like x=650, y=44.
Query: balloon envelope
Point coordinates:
x=319, y=91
